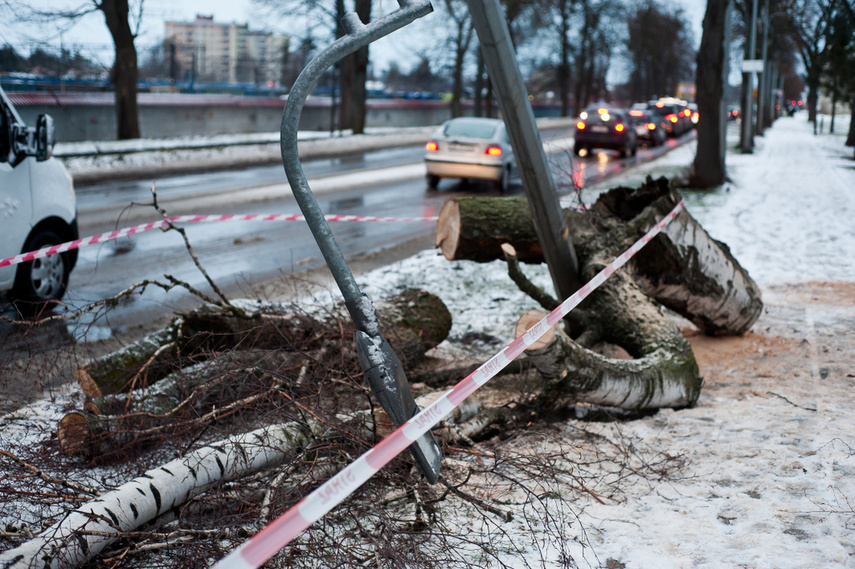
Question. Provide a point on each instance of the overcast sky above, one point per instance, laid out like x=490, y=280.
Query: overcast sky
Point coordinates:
x=91, y=37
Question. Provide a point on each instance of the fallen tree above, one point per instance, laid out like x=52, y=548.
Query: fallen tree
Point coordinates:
x=683, y=269
x=212, y=363
x=414, y=321
x=92, y=527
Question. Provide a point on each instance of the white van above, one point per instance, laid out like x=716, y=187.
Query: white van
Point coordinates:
x=37, y=208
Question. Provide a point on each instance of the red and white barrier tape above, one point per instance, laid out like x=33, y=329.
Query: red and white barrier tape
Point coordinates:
x=265, y=544
x=100, y=238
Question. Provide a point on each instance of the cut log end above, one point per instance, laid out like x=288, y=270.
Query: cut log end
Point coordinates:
x=448, y=229
x=528, y=320
x=74, y=432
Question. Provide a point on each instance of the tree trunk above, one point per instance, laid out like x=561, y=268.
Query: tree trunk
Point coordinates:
x=116, y=13
x=665, y=376
x=187, y=400
x=709, y=164
x=683, y=268
x=89, y=529
x=413, y=321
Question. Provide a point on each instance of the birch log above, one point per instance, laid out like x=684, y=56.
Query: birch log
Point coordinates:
x=90, y=528
x=683, y=268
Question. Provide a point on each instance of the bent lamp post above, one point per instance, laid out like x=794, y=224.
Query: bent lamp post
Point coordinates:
x=383, y=371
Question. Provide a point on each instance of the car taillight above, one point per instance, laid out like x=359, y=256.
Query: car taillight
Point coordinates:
x=673, y=118
x=650, y=126
x=493, y=150
x=580, y=125
x=619, y=127
x=431, y=146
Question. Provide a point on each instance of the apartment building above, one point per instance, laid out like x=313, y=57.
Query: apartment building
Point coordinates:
x=204, y=50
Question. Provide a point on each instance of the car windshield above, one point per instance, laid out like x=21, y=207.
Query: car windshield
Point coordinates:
x=471, y=129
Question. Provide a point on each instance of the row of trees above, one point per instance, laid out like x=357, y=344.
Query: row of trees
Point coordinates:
x=818, y=34
x=573, y=41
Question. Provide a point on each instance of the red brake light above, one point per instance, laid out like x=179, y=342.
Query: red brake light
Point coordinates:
x=673, y=118
x=493, y=151
x=580, y=125
x=619, y=127
x=431, y=146
x=635, y=113
x=603, y=111
x=650, y=126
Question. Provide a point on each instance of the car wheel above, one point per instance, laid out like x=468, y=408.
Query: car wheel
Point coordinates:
x=622, y=152
x=41, y=281
x=577, y=149
x=432, y=181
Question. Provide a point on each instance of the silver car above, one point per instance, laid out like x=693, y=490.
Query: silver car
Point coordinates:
x=469, y=147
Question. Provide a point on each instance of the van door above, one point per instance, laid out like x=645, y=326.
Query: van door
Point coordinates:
x=16, y=204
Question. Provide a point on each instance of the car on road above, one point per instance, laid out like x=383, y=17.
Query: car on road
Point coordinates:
x=649, y=126
x=38, y=208
x=470, y=148
x=676, y=113
x=608, y=128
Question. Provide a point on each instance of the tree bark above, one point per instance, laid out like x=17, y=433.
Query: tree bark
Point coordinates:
x=89, y=529
x=125, y=73
x=666, y=375
x=413, y=321
x=94, y=526
x=709, y=164
x=683, y=268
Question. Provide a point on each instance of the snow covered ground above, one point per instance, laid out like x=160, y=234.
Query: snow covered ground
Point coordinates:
x=761, y=473
x=769, y=475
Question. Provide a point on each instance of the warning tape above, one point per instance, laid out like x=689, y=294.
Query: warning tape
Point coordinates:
x=265, y=544
x=166, y=221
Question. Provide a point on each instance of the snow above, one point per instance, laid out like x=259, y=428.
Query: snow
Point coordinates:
x=761, y=472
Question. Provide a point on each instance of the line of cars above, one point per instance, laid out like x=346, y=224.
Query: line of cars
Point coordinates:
x=479, y=148
x=623, y=130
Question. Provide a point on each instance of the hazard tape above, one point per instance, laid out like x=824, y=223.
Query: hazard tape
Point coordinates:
x=166, y=221
x=265, y=544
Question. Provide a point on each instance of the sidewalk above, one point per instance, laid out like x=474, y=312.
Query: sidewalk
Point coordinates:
x=761, y=473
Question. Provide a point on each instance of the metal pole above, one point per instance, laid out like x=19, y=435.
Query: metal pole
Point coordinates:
x=762, y=95
x=748, y=83
x=383, y=371
x=516, y=110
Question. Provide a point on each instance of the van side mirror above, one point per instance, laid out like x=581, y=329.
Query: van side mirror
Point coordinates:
x=45, y=137
x=29, y=141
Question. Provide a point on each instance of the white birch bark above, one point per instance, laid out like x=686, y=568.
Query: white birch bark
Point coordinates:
x=88, y=530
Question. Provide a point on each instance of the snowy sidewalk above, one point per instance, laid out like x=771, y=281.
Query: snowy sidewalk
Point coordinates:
x=769, y=451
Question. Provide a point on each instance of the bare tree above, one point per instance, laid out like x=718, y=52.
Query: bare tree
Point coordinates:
x=460, y=38
x=123, y=18
x=709, y=165
x=309, y=14
x=810, y=19
x=660, y=49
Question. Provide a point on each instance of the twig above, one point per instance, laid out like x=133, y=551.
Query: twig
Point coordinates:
x=791, y=403
x=50, y=479
x=223, y=302
x=525, y=285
